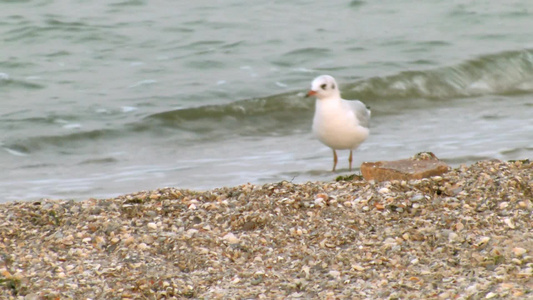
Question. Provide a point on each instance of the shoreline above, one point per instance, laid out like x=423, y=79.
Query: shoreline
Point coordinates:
x=465, y=234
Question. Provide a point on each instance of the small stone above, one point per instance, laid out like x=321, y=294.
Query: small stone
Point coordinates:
x=319, y=202
x=417, y=197
x=459, y=226
x=148, y=239
x=235, y=280
x=70, y=267
x=453, y=237
x=390, y=241
x=527, y=272
x=491, y=295
x=5, y=273
x=384, y=191
x=358, y=267
x=257, y=280
x=335, y=274
x=507, y=286
x=231, y=238
x=190, y=233
x=509, y=223
x=503, y=205
x=92, y=227
x=519, y=251
x=32, y=296
x=322, y=196
x=518, y=293
x=128, y=241
x=483, y=241
x=152, y=225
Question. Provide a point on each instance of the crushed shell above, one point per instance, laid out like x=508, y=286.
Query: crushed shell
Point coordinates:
x=465, y=235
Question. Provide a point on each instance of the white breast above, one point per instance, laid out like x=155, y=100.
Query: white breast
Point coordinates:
x=335, y=124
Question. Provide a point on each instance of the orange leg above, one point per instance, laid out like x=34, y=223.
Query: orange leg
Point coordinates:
x=334, y=160
x=350, y=160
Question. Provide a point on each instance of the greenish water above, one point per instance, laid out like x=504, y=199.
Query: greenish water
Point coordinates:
x=103, y=98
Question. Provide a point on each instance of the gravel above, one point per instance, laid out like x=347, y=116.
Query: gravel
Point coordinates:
x=467, y=234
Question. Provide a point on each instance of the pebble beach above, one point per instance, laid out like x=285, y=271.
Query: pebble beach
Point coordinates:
x=467, y=234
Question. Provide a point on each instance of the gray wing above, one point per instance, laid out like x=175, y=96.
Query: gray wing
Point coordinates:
x=361, y=112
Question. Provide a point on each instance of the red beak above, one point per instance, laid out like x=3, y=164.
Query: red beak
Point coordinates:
x=310, y=93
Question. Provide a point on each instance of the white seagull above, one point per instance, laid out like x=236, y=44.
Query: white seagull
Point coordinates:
x=338, y=123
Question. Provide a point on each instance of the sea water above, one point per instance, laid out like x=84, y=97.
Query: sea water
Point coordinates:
x=102, y=98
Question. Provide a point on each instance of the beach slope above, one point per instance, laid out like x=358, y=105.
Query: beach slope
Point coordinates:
x=467, y=234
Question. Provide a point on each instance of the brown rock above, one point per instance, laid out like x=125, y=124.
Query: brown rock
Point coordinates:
x=422, y=165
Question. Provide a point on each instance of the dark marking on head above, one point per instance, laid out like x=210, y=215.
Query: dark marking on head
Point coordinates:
x=332, y=86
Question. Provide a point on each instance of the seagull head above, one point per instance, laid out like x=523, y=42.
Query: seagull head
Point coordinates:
x=324, y=87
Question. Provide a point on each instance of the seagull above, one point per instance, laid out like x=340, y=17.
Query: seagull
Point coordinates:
x=339, y=124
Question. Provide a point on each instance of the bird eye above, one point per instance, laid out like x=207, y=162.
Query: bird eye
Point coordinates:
x=323, y=86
